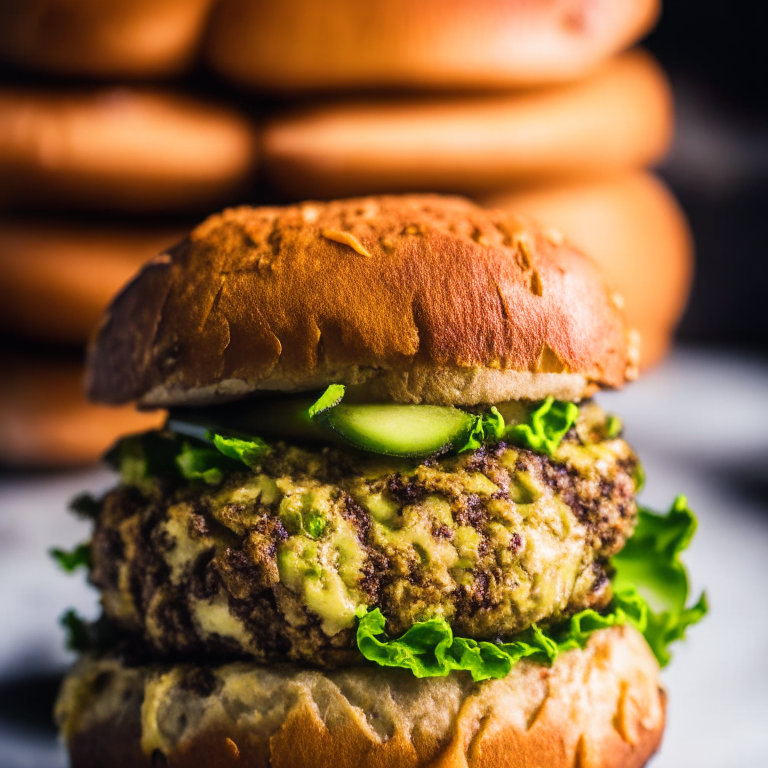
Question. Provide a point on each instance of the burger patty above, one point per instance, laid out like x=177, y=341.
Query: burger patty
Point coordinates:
x=274, y=562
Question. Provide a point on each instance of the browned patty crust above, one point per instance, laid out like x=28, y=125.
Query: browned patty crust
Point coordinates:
x=272, y=563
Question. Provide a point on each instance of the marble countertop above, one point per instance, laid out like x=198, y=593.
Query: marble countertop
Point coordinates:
x=700, y=425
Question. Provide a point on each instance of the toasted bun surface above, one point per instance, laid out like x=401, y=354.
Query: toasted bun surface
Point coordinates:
x=619, y=118
x=93, y=37
x=56, y=279
x=597, y=708
x=414, y=299
x=300, y=45
x=45, y=420
x=120, y=149
x=633, y=227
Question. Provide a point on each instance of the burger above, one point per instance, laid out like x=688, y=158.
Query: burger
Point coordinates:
x=385, y=524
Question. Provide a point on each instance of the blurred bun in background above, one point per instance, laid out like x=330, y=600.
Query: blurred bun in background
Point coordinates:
x=619, y=118
x=46, y=421
x=121, y=149
x=634, y=228
x=57, y=278
x=302, y=45
x=102, y=38
x=531, y=105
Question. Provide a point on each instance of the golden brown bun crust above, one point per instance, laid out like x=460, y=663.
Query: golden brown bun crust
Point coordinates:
x=620, y=118
x=120, y=149
x=419, y=298
x=300, y=45
x=93, y=37
x=597, y=708
x=56, y=279
x=633, y=227
x=46, y=421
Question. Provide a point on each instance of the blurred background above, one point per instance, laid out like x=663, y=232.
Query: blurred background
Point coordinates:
x=641, y=137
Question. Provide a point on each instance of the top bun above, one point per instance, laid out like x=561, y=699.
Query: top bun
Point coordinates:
x=417, y=298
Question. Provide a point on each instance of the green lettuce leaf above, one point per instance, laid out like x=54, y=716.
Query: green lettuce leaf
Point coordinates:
x=199, y=462
x=650, y=592
x=493, y=424
x=649, y=569
x=79, y=557
x=207, y=456
x=76, y=630
x=85, y=506
x=250, y=451
x=332, y=396
x=81, y=635
x=429, y=648
x=546, y=426
x=138, y=458
x=488, y=428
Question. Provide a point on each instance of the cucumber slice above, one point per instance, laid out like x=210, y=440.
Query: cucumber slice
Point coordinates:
x=401, y=430
x=276, y=419
x=411, y=431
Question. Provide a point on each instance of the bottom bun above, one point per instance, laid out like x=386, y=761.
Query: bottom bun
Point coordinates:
x=595, y=708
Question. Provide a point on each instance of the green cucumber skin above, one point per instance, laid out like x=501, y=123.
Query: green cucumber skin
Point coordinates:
x=344, y=424
x=281, y=419
x=349, y=421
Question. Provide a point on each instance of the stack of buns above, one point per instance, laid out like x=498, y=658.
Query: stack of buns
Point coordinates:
x=104, y=161
x=120, y=122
